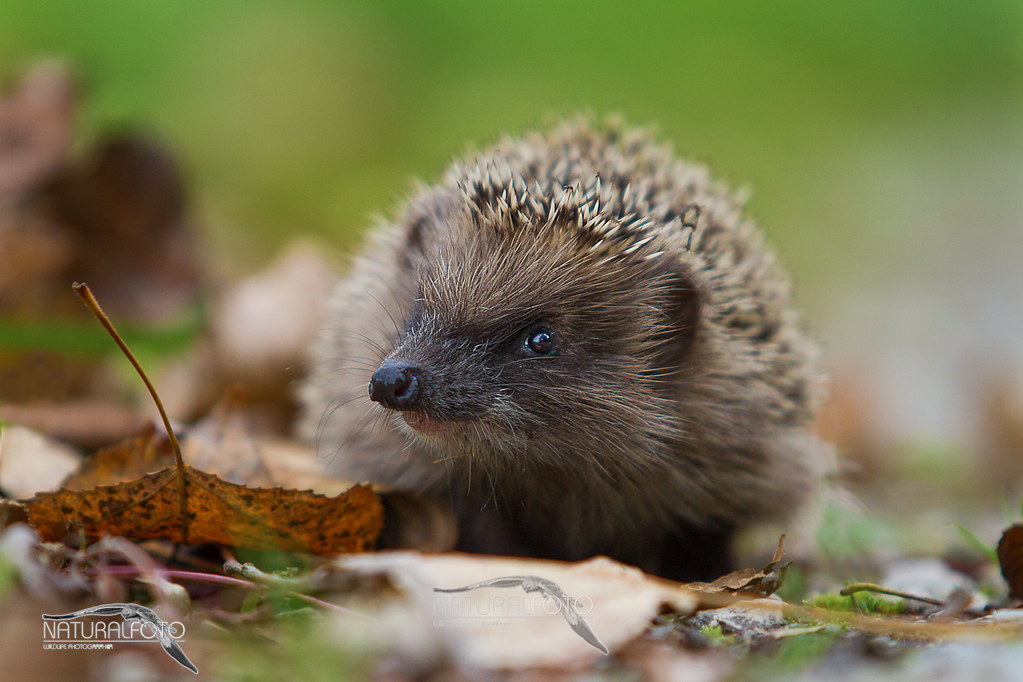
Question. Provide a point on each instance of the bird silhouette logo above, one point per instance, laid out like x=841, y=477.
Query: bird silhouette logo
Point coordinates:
x=135, y=612
x=550, y=590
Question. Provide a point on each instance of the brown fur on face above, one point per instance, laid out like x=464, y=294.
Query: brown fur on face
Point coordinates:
x=674, y=404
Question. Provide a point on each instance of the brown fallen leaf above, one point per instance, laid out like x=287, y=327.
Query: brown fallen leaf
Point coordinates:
x=1010, y=559
x=130, y=459
x=218, y=512
x=218, y=444
x=296, y=465
x=214, y=448
x=222, y=443
x=750, y=581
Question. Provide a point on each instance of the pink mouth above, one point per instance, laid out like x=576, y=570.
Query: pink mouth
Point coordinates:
x=424, y=424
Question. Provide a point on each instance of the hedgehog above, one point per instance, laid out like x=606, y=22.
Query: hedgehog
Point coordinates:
x=579, y=342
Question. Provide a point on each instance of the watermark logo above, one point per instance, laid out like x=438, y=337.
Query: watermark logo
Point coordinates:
x=140, y=624
x=554, y=601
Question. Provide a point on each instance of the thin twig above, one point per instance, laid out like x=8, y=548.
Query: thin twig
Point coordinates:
x=871, y=587
x=85, y=293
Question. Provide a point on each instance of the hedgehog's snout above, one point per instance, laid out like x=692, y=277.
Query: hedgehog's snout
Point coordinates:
x=396, y=384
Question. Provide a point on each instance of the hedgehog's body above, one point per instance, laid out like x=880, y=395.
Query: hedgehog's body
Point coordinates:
x=578, y=340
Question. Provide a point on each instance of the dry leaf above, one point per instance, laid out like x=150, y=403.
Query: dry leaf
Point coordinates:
x=222, y=444
x=128, y=460
x=218, y=512
x=296, y=465
x=507, y=626
x=1010, y=559
x=219, y=444
x=30, y=462
x=289, y=292
x=749, y=581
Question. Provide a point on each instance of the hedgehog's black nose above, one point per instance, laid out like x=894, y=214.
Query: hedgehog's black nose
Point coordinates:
x=395, y=384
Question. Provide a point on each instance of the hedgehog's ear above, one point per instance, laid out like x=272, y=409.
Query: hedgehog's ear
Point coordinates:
x=683, y=305
x=411, y=249
x=428, y=212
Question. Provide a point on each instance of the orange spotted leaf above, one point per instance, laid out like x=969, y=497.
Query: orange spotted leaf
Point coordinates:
x=218, y=512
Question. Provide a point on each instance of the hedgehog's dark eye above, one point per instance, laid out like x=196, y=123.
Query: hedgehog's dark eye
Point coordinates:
x=540, y=341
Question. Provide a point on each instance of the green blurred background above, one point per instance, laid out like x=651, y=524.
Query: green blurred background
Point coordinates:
x=883, y=141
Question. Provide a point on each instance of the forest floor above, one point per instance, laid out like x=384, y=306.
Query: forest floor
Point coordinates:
x=911, y=568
